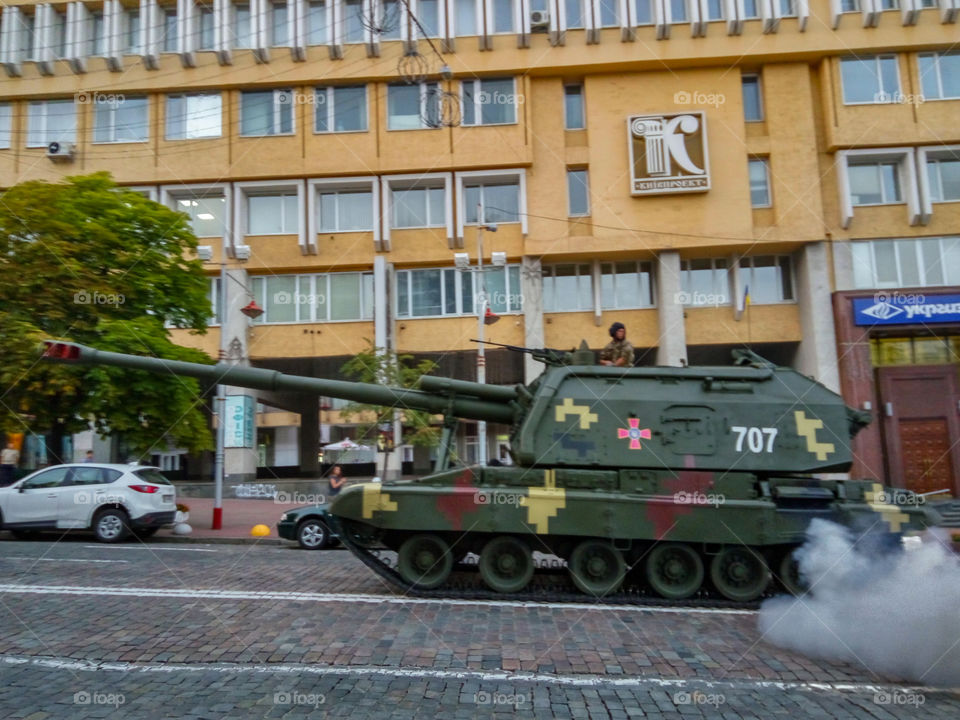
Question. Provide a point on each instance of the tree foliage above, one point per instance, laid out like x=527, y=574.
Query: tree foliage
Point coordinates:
x=387, y=368
x=87, y=261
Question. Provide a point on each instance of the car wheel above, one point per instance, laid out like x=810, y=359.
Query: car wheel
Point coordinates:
x=110, y=526
x=25, y=534
x=312, y=534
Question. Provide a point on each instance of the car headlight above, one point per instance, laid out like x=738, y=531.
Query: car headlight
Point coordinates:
x=283, y=517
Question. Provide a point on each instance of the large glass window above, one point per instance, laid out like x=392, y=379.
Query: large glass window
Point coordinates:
x=704, y=282
x=788, y=8
x=265, y=113
x=759, y=183
x=317, y=27
x=751, y=8
x=51, y=121
x=752, y=103
x=489, y=102
x=643, y=12
x=940, y=75
x=131, y=45
x=715, y=9
x=503, y=16
x=678, y=10
x=205, y=31
x=498, y=201
x=436, y=291
x=189, y=117
x=874, y=183
x=416, y=207
x=279, y=24
x=428, y=13
x=626, y=284
x=870, y=79
x=327, y=297
x=768, y=278
x=6, y=117
x=345, y=210
x=206, y=214
x=273, y=214
x=413, y=107
x=578, y=193
x=944, y=176
x=121, y=120
x=341, y=109
x=169, y=40
x=849, y=6
x=609, y=13
x=567, y=287
x=353, y=30
x=574, y=9
x=97, y=42
x=573, y=107
x=906, y=263
x=242, y=27
x=465, y=21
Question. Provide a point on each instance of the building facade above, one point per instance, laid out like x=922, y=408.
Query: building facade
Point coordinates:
x=652, y=162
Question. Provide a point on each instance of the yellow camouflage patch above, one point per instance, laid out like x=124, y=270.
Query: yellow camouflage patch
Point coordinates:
x=807, y=428
x=375, y=499
x=567, y=407
x=543, y=503
x=890, y=514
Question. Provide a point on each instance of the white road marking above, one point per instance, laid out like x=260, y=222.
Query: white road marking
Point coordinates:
x=46, y=559
x=745, y=684
x=142, y=592
x=148, y=547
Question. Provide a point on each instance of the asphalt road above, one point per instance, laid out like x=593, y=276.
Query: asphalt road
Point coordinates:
x=234, y=631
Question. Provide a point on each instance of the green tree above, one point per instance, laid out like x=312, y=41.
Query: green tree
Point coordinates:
x=87, y=261
x=388, y=368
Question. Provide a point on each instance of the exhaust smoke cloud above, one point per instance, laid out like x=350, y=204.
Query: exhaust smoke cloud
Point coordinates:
x=897, y=615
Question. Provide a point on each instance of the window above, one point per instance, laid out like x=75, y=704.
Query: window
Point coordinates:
x=567, y=288
x=752, y=102
x=609, y=15
x=751, y=8
x=573, y=108
x=341, y=109
x=48, y=479
x=120, y=121
x=889, y=4
x=644, y=12
x=849, y=6
x=626, y=285
x=51, y=121
x=944, y=176
x=326, y=297
x=418, y=207
x=489, y=102
x=242, y=27
x=678, y=10
x=573, y=9
x=279, y=25
x=317, y=22
x=205, y=36
x=353, y=21
x=389, y=19
x=28, y=39
x=58, y=37
x=97, y=42
x=213, y=295
x=6, y=116
x=132, y=39
x=435, y=292
x=499, y=202
x=870, y=80
x=940, y=75
x=578, y=193
x=714, y=9
x=768, y=278
x=428, y=13
x=759, y=183
x=704, y=282
x=273, y=214
x=96, y=476
x=788, y=8
x=503, y=19
x=906, y=263
x=465, y=20
x=169, y=41
x=874, y=183
x=345, y=210
x=266, y=113
x=189, y=117
x=206, y=214
x=413, y=107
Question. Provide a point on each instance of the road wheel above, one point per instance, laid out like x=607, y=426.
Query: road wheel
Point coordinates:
x=597, y=568
x=506, y=564
x=313, y=534
x=739, y=573
x=674, y=570
x=110, y=526
x=789, y=574
x=25, y=534
x=424, y=561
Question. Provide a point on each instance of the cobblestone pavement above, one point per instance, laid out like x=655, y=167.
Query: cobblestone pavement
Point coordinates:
x=225, y=631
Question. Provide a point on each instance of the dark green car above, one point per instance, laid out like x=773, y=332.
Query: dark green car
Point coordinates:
x=310, y=526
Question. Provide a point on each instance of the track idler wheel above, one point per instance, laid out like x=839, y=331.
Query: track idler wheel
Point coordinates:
x=597, y=568
x=506, y=564
x=424, y=561
x=789, y=574
x=739, y=573
x=674, y=570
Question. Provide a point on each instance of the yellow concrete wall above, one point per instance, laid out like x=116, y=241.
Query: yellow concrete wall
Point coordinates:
x=450, y=334
x=565, y=330
x=760, y=323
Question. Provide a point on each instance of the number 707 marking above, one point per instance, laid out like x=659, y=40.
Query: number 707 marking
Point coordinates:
x=754, y=436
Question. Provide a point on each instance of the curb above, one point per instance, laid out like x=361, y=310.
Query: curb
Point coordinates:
x=195, y=540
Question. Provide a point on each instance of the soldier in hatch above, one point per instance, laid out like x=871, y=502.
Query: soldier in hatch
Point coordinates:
x=618, y=352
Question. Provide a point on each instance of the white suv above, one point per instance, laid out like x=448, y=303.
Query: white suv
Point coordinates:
x=111, y=500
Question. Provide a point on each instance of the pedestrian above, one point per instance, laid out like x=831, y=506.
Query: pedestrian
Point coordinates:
x=336, y=480
x=88, y=458
x=9, y=457
x=618, y=352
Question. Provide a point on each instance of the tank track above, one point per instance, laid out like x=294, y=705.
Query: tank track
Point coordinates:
x=551, y=586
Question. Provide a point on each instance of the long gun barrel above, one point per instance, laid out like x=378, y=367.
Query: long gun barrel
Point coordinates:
x=459, y=398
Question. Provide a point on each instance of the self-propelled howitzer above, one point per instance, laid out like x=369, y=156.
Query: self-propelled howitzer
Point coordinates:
x=677, y=471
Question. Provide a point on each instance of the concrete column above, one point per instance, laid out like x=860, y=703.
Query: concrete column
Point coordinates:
x=531, y=285
x=239, y=464
x=309, y=436
x=672, y=349
x=842, y=265
x=817, y=355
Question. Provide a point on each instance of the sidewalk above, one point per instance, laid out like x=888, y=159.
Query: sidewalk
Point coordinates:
x=239, y=517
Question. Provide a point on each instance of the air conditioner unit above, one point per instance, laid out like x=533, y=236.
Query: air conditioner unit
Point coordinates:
x=60, y=152
x=242, y=252
x=205, y=252
x=539, y=20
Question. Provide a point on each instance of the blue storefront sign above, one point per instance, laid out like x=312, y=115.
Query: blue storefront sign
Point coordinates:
x=238, y=428
x=897, y=308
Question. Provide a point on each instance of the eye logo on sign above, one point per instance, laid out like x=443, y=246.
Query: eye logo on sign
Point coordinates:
x=882, y=311
x=668, y=153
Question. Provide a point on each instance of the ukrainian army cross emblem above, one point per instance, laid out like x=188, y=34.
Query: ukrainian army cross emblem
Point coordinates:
x=634, y=433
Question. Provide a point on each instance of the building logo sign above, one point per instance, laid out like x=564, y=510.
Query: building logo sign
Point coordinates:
x=900, y=309
x=238, y=422
x=668, y=153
